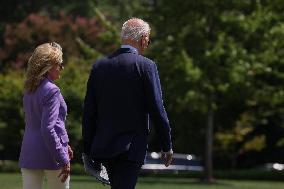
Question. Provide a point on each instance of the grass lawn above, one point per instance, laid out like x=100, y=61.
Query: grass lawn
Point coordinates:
x=13, y=181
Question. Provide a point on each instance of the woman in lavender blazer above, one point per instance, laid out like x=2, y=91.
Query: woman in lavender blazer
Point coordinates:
x=45, y=151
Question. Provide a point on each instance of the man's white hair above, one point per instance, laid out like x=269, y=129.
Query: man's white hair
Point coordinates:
x=134, y=29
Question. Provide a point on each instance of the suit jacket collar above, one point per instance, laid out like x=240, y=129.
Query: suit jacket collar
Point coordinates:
x=129, y=47
x=123, y=50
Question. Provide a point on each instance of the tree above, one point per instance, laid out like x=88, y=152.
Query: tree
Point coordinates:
x=221, y=42
x=11, y=114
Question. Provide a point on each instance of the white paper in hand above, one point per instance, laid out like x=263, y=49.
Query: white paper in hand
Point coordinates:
x=97, y=170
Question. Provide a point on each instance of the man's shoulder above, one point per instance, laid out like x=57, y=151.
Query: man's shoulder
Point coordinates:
x=147, y=62
x=100, y=62
x=145, y=59
x=142, y=60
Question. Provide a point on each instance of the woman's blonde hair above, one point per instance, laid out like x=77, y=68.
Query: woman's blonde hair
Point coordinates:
x=44, y=57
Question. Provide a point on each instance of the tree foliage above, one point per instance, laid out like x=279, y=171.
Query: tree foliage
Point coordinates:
x=35, y=29
x=226, y=55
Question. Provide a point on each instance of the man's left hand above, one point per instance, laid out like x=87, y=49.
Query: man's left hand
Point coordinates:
x=167, y=157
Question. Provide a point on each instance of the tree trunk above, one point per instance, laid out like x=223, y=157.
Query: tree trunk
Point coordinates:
x=208, y=147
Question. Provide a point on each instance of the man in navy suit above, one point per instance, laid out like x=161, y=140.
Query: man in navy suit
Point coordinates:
x=123, y=93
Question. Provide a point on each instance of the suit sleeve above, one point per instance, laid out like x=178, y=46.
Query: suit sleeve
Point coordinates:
x=51, y=104
x=155, y=106
x=89, y=114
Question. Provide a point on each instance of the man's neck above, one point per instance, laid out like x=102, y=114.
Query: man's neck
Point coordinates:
x=133, y=44
x=129, y=47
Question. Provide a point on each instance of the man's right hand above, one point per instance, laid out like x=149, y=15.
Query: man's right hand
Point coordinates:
x=167, y=157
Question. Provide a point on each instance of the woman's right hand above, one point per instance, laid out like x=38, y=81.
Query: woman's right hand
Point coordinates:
x=65, y=172
x=70, y=152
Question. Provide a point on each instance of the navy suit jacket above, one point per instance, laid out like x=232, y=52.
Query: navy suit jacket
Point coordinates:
x=123, y=92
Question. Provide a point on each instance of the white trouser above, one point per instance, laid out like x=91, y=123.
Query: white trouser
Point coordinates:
x=33, y=179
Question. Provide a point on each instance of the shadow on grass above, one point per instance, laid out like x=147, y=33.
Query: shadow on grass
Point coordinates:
x=83, y=179
x=180, y=181
x=160, y=180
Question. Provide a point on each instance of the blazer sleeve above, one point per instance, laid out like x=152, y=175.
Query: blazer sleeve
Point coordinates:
x=89, y=114
x=155, y=106
x=51, y=104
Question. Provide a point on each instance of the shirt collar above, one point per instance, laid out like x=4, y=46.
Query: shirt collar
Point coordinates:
x=129, y=47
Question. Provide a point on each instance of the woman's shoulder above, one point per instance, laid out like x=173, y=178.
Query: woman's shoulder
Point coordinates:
x=48, y=85
x=47, y=89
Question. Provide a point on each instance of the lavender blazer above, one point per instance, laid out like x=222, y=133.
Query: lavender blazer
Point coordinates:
x=45, y=141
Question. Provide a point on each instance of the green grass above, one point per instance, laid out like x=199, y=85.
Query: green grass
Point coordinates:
x=13, y=181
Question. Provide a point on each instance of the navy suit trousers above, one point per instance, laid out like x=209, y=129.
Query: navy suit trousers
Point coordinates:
x=122, y=172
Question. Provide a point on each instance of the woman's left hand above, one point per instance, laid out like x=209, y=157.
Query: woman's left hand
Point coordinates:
x=70, y=152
